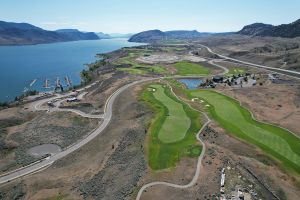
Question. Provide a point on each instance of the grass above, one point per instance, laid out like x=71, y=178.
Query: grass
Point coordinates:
x=185, y=68
x=235, y=71
x=144, y=70
x=163, y=155
x=137, y=68
x=132, y=70
x=176, y=122
x=238, y=121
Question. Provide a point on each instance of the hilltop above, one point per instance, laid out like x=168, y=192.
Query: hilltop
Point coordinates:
x=158, y=35
x=23, y=33
x=290, y=30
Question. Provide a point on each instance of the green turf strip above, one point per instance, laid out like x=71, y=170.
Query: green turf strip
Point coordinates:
x=185, y=68
x=237, y=120
x=176, y=123
x=162, y=155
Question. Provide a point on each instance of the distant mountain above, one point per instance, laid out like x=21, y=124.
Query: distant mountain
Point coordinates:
x=285, y=30
x=157, y=35
x=74, y=34
x=121, y=35
x=148, y=36
x=24, y=33
x=103, y=35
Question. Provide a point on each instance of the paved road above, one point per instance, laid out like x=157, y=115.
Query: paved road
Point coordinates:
x=290, y=73
x=49, y=160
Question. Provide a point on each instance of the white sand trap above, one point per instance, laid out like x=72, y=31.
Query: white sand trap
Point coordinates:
x=207, y=105
x=201, y=101
x=44, y=149
x=194, y=99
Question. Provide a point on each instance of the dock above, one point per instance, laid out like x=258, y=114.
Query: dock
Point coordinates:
x=57, y=82
x=32, y=82
x=68, y=81
x=46, y=84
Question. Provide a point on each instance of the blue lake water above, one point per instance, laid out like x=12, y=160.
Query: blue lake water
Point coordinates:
x=191, y=83
x=20, y=65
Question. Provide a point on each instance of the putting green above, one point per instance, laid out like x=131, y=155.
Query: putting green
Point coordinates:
x=185, y=68
x=176, y=123
x=237, y=120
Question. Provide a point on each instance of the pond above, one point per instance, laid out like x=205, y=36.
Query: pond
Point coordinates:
x=191, y=83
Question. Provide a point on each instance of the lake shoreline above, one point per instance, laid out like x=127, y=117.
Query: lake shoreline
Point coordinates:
x=59, y=60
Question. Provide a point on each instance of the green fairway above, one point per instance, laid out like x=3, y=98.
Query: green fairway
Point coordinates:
x=176, y=122
x=185, y=68
x=172, y=132
x=237, y=120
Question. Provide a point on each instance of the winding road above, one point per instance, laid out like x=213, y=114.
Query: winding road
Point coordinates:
x=106, y=118
x=286, y=72
x=43, y=164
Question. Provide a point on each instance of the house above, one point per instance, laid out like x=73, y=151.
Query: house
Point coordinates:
x=73, y=99
x=217, y=79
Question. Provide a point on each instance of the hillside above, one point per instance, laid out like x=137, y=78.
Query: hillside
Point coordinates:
x=285, y=30
x=157, y=35
x=103, y=35
x=24, y=33
x=74, y=34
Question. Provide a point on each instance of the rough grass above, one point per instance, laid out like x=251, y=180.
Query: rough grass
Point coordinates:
x=165, y=155
x=185, y=68
x=144, y=69
x=137, y=68
x=235, y=71
x=176, y=122
x=132, y=70
x=238, y=121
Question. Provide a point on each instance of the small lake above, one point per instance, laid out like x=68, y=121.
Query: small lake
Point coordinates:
x=191, y=83
x=21, y=65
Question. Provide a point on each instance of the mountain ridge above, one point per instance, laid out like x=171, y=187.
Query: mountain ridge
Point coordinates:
x=12, y=33
x=158, y=35
x=290, y=30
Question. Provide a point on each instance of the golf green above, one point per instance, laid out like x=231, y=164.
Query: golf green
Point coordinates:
x=176, y=122
x=172, y=131
x=237, y=120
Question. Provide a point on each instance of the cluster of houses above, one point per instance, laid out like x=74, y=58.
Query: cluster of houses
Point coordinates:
x=240, y=80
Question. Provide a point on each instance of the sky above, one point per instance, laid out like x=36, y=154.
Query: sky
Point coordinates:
x=132, y=16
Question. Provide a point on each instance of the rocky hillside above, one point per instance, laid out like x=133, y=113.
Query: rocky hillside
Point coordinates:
x=24, y=33
x=157, y=35
x=285, y=30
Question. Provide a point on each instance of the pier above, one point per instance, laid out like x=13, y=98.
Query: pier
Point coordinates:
x=68, y=81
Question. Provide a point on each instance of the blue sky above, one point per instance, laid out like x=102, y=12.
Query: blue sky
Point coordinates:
x=125, y=16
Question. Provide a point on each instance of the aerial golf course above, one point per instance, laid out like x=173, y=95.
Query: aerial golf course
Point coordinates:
x=175, y=125
x=173, y=130
x=238, y=121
